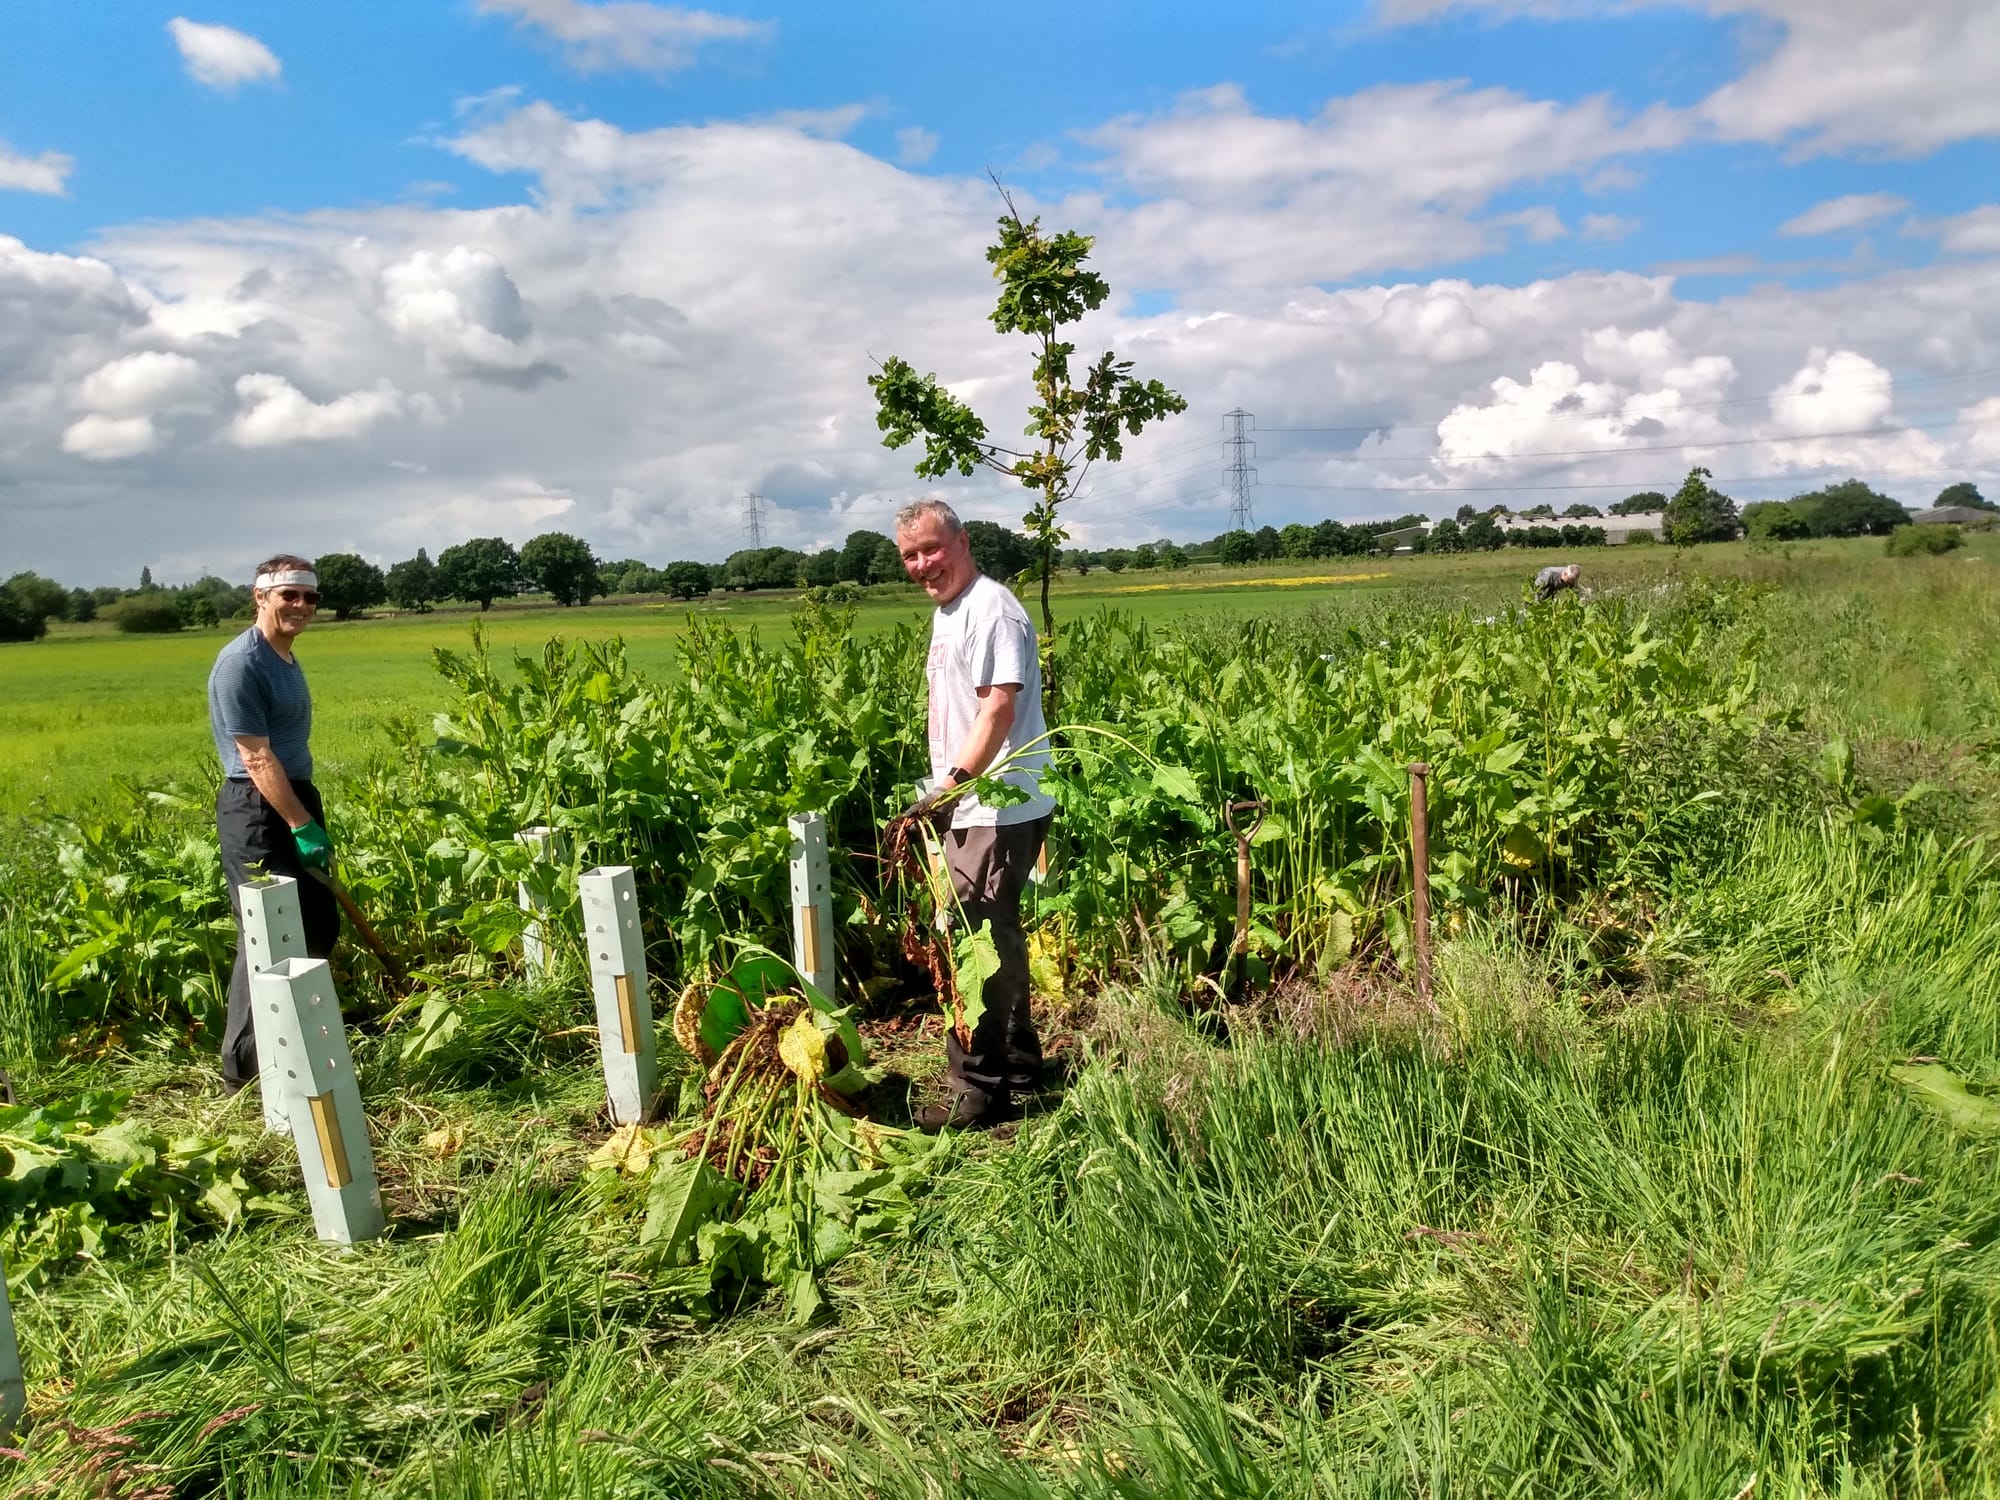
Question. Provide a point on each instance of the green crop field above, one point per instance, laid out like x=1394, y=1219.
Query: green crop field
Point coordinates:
x=1684, y=1182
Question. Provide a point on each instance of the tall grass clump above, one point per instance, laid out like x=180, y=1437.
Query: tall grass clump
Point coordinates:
x=1645, y=1255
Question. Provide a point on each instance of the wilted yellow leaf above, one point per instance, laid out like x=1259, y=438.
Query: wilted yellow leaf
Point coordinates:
x=629, y=1149
x=803, y=1049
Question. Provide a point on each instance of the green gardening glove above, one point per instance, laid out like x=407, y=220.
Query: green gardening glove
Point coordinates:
x=315, y=848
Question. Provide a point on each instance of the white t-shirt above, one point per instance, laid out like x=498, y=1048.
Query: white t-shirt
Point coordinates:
x=980, y=639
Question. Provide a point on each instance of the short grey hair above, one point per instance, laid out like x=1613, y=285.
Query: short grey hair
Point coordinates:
x=916, y=510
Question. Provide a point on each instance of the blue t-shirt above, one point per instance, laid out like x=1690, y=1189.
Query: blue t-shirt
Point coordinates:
x=254, y=691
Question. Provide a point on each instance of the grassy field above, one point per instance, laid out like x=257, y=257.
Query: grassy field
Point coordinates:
x=1687, y=1185
x=85, y=712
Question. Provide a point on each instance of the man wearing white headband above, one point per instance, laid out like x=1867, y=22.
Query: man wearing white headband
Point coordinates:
x=268, y=814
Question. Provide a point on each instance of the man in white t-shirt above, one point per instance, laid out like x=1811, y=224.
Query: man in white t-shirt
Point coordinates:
x=985, y=717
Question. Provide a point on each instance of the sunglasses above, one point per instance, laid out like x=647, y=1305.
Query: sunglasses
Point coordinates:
x=299, y=596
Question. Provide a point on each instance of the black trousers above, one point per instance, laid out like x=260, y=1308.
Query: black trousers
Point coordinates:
x=989, y=869
x=256, y=841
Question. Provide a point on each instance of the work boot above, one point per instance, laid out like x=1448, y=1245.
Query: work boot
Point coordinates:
x=1024, y=1065
x=964, y=1112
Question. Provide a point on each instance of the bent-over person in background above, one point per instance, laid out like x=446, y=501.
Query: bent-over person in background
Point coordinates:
x=1551, y=581
x=268, y=814
x=985, y=683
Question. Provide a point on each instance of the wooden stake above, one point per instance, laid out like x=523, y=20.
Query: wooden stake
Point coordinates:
x=628, y=1013
x=332, y=1149
x=617, y=950
x=1420, y=876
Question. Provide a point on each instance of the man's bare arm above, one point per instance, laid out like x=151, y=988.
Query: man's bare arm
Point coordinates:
x=268, y=776
x=989, y=729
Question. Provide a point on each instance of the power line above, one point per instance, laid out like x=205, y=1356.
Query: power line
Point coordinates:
x=1239, y=473
x=753, y=519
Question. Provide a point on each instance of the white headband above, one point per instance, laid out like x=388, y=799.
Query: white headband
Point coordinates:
x=297, y=577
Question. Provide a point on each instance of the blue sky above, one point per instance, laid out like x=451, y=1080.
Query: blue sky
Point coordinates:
x=438, y=270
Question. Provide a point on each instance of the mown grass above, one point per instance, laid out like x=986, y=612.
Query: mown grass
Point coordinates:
x=1668, y=1227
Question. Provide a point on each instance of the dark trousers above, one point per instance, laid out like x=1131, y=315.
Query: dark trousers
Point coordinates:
x=989, y=867
x=256, y=842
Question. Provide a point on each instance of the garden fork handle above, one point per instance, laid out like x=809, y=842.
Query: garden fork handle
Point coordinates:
x=361, y=924
x=1243, y=837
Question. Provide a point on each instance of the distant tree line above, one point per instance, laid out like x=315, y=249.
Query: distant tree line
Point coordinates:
x=28, y=602
x=563, y=567
x=1849, y=508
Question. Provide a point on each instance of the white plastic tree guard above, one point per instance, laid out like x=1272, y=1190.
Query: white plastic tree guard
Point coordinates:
x=273, y=931
x=13, y=1390
x=322, y=1098
x=617, y=948
x=540, y=841
x=812, y=903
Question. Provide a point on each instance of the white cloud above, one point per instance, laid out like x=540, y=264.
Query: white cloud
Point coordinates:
x=1974, y=233
x=1385, y=178
x=1615, y=178
x=1829, y=76
x=596, y=38
x=1861, y=75
x=1540, y=225
x=1842, y=405
x=221, y=57
x=1835, y=392
x=1848, y=212
x=44, y=174
x=100, y=438
x=143, y=383
x=1421, y=142
x=60, y=315
x=464, y=308
x=1648, y=395
x=513, y=506
x=915, y=145
x=830, y=124
x=276, y=412
x=1606, y=228
x=1982, y=421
